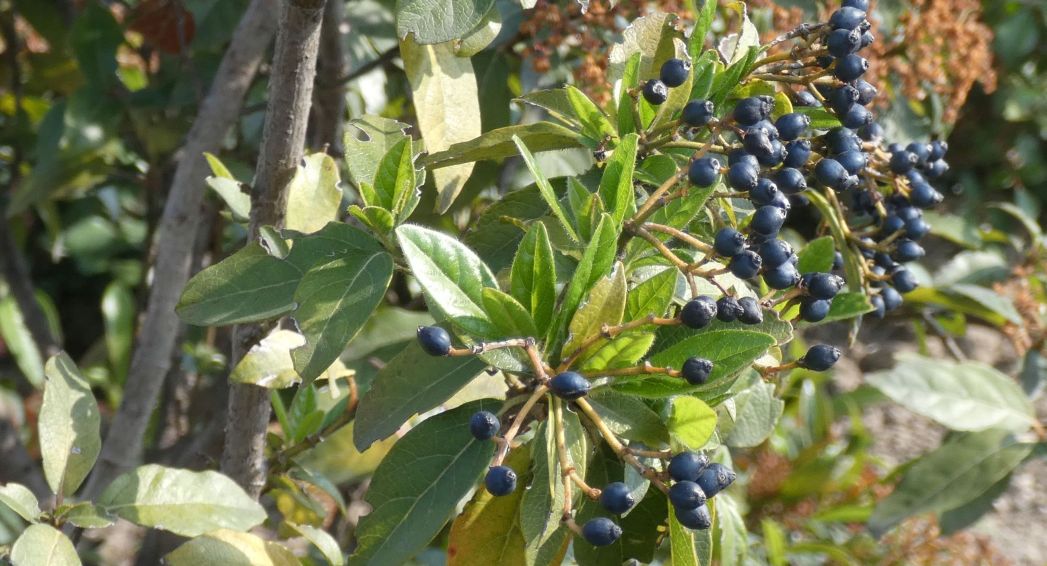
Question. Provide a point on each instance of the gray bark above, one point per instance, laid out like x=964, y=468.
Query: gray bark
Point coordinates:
x=174, y=242
x=328, y=113
x=283, y=141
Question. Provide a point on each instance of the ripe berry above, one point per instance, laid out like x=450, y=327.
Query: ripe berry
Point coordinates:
x=856, y=117
x=922, y=152
x=747, y=264
x=616, y=498
x=751, y=110
x=837, y=261
x=871, y=132
x=862, y=5
x=686, y=495
x=842, y=42
x=696, y=519
x=902, y=161
x=924, y=196
x=904, y=280
x=850, y=68
x=820, y=357
x=728, y=242
x=704, y=171
x=823, y=286
x=790, y=180
x=866, y=92
x=814, y=310
x=847, y=18
x=891, y=298
x=715, y=478
x=728, y=309
x=569, y=385
x=792, y=126
x=797, y=153
x=686, y=466
x=740, y=155
x=843, y=99
x=698, y=112
x=938, y=149
x=775, y=253
x=764, y=193
x=782, y=201
x=484, y=425
x=782, y=277
x=867, y=38
x=751, y=312
x=655, y=92
x=757, y=142
x=743, y=176
x=774, y=157
x=830, y=173
x=500, y=480
x=852, y=161
x=907, y=250
x=696, y=370
x=601, y=531
x=698, y=312
x=840, y=140
x=916, y=228
x=804, y=98
x=767, y=221
x=937, y=168
x=434, y=340
x=878, y=307
x=674, y=72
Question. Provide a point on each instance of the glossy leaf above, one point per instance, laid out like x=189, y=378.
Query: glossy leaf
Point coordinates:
x=70, y=437
x=616, y=184
x=19, y=341
x=595, y=124
x=508, y=315
x=231, y=548
x=651, y=296
x=623, y=351
x=706, y=13
x=595, y=263
x=88, y=516
x=532, y=280
x=233, y=194
x=691, y=422
x=181, y=501
x=817, y=255
x=43, y=545
x=412, y=498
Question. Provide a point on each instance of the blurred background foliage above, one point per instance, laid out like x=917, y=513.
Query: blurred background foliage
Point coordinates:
x=97, y=96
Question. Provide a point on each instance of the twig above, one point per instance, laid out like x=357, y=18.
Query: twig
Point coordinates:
x=618, y=448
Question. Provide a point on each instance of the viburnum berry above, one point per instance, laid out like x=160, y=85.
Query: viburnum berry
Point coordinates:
x=924, y=195
x=696, y=371
x=904, y=280
x=862, y=5
x=751, y=110
x=728, y=242
x=698, y=312
x=764, y=193
x=902, y=161
x=746, y=265
x=790, y=181
x=751, y=311
x=907, y=250
x=922, y=151
x=655, y=92
x=569, y=385
x=484, y=425
x=782, y=201
x=852, y=161
x=797, y=152
x=728, y=309
x=866, y=92
x=674, y=72
x=695, y=519
x=715, y=478
x=843, y=42
x=847, y=18
x=804, y=98
x=686, y=466
x=686, y=495
x=782, y=277
x=703, y=171
x=842, y=99
x=616, y=498
x=757, y=142
x=891, y=298
x=434, y=340
x=823, y=286
x=698, y=112
x=601, y=531
x=856, y=117
x=741, y=156
x=792, y=126
x=814, y=310
x=767, y=221
x=500, y=480
x=830, y=173
x=820, y=357
x=938, y=150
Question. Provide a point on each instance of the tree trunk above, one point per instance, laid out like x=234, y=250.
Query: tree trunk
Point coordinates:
x=283, y=141
x=328, y=114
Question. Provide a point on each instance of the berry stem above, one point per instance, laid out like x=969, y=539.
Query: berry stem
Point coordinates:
x=514, y=428
x=643, y=369
x=566, y=469
x=622, y=451
x=610, y=332
x=701, y=145
x=648, y=206
x=768, y=372
x=680, y=235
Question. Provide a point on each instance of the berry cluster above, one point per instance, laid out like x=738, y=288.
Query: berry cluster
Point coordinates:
x=695, y=481
x=674, y=73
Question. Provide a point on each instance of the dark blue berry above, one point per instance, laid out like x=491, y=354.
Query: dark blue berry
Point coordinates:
x=484, y=425
x=569, y=385
x=938, y=150
x=601, y=531
x=878, y=307
x=892, y=224
x=850, y=68
x=751, y=311
x=757, y=142
x=842, y=42
x=907, y=250
x=674, y=72
x=937, y=168
x=867, y=38
x=837, y=261
x=790, y=180
x=715, y=478
x=891, y=299
x=767, y=221
x=843, y=99
x=773, y=157
x=797, y=153
x=695, y=519
x=704, y=171
x=804, y=98
x=434, y=340
x=781, y=200
x=840, y=140
x=856, y=117
x=862, y=5
x=923, y=195
x=751, y=110
x=655, y=92
x=820, y=357
x=686, y=466
x=698, y=312
x=764, y=192
x=866, y=92
x=616, y=498
x=830, y=173
x=922, y=151
x=823, y=286
x=904, y=280
x=775, y=253
x=698, y=112
x=686, y=495
x=747, y=264
x=846, y=18
x=500, y=480
x=728, y=242
x=742, y=156
x=852, y=161
x=728, y=309
x=743, y=176
x=792, y=126
x=916, y=228
x=871, y=132
x=782, y=277
x=696, y=371
x=814, y=310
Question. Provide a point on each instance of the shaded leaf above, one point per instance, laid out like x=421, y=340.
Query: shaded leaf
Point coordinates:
x=605, y=304
x=231, y=548
x=532, y=280
x=313, y=197
x=20, y=500
x=268, y=363
x=545, y=188
x=616, y=184
x=70, y=439
x=498, y=144
x=629, y=417
x=323, y=541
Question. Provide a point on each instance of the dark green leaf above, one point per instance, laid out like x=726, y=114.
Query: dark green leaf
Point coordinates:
x=623, y=351
x=508, y=315
x=756, y=413
x=616, y=185
x=817, y=255
x=629, y=417
x=532, y=281
x=966, y=515
x=545, y=188
x=652, y=296
x=706, y=13
x=821, y=119
x=498, y=144
x=847, y=306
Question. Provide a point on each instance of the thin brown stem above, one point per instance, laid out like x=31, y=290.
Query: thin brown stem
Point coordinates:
x=621, y=450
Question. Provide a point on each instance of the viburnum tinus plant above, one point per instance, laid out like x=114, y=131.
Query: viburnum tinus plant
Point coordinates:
x=616, y=318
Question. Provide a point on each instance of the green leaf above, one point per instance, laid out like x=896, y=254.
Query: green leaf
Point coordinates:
x=416, y=488
x=959, y=518
x=651, y=296
x=508, y=315
x=532, y=280
x=367, y=140
x=268, y=363
x=756, y=413
x=962, y=396
x=595, y=124
x=87, y=516
x=731, y=351
x=323, y=541
x=605, y=304
x=703, y=22
x=248, y=286
x=691, y=422
x=488, y=530
x=451, y=276
x=821, y=119
x=1030, y=224
x=43, y=545
x=498, y=144
x=19, y=341
x=69, y=426
x=218, y=169
x=851, y=260
x=847, y=306
x=20, y=500
x=817, y=255
x=378, y=219
x=439, y=21
x=989, y=299
x=232, y=194
x=726, y=81
x=705, y=69
x=313, y=197
x=181, y=501
x=394, y=182
x=681, y=542
x=444, y=93
x=730, y=533
x=629, y=417
x=118, y=312
x=621, y=352
x=595, y=263
x=652, y=37
x=413, y=382
x=554, y=101
x=678, y=96
x=231, y=548
x=616, y=184
x=335, y=299
x=962, y=469
x=630, y=79
x=545, y=188
x=736, y=46
x=481, y=36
